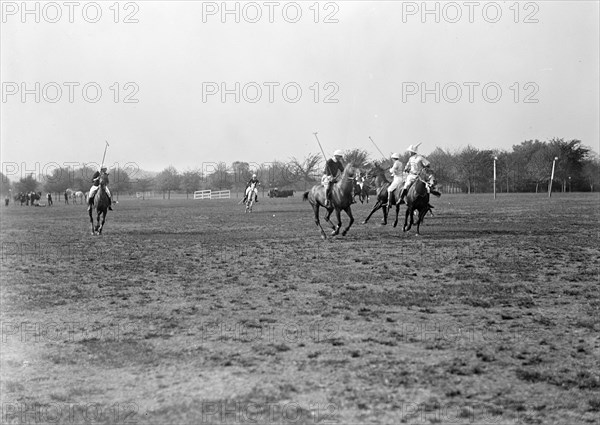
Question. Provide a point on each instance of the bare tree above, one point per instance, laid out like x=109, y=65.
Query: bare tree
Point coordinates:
x=143, y=184
x=306, y=169
x=190, y=181
x=591, y=172
x=358, y=158
x=168, y=180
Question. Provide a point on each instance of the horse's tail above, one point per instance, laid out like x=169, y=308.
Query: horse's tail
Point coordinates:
x=305, y=196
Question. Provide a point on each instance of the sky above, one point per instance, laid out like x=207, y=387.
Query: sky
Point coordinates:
x=183, y=83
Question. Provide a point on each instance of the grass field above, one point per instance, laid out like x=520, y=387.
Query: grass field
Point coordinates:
x=188, y=312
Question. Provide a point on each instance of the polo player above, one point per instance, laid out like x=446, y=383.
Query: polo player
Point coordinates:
x=397, y=172
x=414, y=166
x=96, y=186
x=333, y=170
x=253, y=181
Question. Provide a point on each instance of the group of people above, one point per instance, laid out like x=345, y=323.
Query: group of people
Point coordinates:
x=416, y=162
x=334, y=168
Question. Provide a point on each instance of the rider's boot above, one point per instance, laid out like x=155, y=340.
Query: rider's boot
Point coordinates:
x=390, y=203
x=255, y=198
x=328, y=197
x=90, y=203
x=402, y=195
x=110, y=203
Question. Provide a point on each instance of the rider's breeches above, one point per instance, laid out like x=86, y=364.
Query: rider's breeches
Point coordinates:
x=409, y=180
x=325, y=180
x=94, y=189
x=249, y=189
x=395, y=183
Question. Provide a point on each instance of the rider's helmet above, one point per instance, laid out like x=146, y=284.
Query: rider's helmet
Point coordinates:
x=253, y=176
x=338, y=153
x=413, y=148
x=395, y=156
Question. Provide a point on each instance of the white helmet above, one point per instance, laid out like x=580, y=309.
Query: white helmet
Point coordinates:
x=253, y=176
x=338, y=153
x=395, y=155
x=413, y=148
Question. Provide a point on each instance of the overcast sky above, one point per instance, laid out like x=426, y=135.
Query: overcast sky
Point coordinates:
x=361, y=75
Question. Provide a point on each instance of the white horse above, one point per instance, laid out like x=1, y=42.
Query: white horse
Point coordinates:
x=78, y=195
x=251, y=193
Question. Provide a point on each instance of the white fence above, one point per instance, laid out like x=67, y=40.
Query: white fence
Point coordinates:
x=209, y=194
x=202, y=194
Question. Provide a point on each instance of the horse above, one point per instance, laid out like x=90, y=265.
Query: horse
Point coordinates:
x=250, y=194
x=361, y=188
x=78, y=195
x=417, y=198
x=341, y=199
x=101, y=203
x=69, y=195
x=377, y=175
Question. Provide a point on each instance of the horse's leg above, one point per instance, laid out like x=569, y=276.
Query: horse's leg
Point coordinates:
x=98, y=221
x=315, y=207
x=349, y=212
x=103, y=220
x=375, y=208
x=397, y=212
x=420, y=218
x=407, y=225
x=327, y=217
x=92, y=221
x=338, y=215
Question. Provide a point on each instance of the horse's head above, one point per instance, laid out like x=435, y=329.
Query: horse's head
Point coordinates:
x=374, y=171
x=102, y=180
x=349, y=173
x=427, y=176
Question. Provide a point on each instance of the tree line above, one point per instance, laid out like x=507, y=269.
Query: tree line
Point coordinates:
x=526, y=168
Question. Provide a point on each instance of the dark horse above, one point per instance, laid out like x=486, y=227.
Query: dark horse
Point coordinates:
x=417, y=198
x=341, y=199
x=101, y=203
x=376, y=175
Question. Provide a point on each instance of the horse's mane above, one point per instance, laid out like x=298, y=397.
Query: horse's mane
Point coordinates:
x=376, y=169
x=347, y=171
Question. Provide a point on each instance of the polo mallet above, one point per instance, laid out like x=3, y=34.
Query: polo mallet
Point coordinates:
x=377, y=147
x=322, y=151
x=104, y=156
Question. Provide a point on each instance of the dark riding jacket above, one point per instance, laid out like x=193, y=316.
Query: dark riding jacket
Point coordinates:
x=333, y=168
x=253, y=180
x=96, y=178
